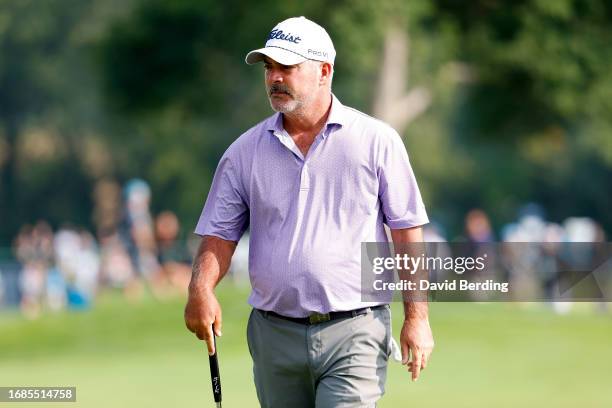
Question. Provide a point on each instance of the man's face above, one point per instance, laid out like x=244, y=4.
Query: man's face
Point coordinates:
x=290, y=88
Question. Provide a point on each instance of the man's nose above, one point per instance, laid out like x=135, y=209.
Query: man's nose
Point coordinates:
x=275, y=76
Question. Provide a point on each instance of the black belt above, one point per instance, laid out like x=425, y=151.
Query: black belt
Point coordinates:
x=316, y=318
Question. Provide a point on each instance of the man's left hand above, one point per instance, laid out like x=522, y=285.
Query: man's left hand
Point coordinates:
x=417, y=344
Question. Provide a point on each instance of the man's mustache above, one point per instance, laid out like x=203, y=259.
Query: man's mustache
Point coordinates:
x=279, y=88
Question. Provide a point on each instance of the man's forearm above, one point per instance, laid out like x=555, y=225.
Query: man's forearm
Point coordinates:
x=418, y=309
x=211, y=263
x=409, y=241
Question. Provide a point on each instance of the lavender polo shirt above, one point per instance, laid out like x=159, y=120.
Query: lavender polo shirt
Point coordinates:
x=309, y=215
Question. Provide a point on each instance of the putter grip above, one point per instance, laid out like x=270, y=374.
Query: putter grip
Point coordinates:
x=215, y=378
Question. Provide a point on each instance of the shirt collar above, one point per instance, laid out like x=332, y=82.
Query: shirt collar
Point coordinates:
x=336, y=117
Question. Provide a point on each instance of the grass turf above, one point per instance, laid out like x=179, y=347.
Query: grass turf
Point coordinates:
x=140, y=355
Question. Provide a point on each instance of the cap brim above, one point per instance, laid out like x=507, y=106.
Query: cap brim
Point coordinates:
x=280, y=55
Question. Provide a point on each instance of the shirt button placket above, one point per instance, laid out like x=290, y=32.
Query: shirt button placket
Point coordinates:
x=305, y=178
x=305, y=182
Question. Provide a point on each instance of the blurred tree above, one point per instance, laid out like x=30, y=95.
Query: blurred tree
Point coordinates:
x=537, y=116
x=48, y=110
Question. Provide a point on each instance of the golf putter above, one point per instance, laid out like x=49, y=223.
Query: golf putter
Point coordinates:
x=215, y=377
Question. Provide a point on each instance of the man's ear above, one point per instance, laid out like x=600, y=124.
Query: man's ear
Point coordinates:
x=326, y=71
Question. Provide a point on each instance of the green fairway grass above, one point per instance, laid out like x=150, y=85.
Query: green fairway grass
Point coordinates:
x=124, y=354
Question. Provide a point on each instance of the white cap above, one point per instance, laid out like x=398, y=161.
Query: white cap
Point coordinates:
x=295, y=40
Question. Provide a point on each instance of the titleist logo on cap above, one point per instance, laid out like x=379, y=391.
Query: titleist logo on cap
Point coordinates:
x=277, y=34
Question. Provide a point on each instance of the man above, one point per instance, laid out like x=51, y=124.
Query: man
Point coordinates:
x=312, y=181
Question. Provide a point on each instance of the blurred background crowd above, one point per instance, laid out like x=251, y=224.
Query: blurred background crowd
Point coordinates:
x=130, y=251
x=500, y=104
x=133, y=252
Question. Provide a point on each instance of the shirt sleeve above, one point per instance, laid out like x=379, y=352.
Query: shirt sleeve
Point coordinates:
x=225, y=213
x=398, y=192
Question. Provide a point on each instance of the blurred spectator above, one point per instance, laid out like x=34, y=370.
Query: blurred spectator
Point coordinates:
x=33, y=247
x=174, y=258
x=138, y=235
x=79, y=263
x=67, y=244
x=522, y=254
x=547, y=266
x=86, y=280
x=116, y=268
x=477, y=227
x=478, y=232
x=55, y=290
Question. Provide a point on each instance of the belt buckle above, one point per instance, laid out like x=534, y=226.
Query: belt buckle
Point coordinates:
x=319, y=318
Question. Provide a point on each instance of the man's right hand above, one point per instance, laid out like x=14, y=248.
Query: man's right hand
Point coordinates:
x=202, y=314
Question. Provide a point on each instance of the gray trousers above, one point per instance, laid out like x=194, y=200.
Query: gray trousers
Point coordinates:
x=340, y=363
